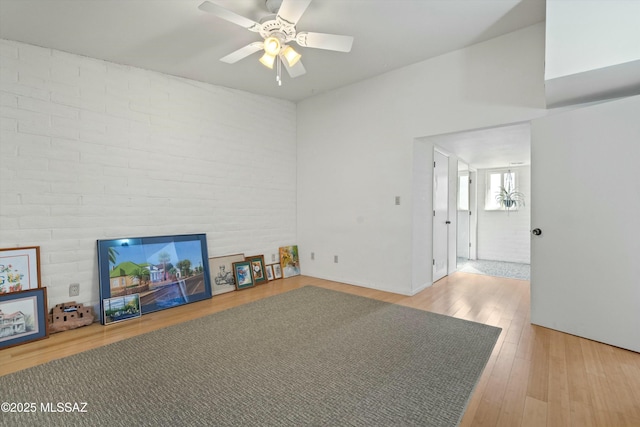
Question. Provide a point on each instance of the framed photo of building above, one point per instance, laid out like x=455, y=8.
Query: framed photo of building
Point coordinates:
x=289, y=261
x=19, y=269
x=23, y=317
x=221, y=270
x=257, y=267
x=243, y=275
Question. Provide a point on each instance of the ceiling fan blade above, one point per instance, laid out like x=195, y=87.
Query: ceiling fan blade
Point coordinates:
x=291, y=10
x=325, y=41
x=296, y=71
x=230, y=16
x=242, y=53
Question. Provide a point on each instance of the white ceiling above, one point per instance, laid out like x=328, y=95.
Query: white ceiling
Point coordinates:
x=175, y=37
x=490, y=148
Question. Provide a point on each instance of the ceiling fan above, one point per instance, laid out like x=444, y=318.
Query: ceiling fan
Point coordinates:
x=278, y=30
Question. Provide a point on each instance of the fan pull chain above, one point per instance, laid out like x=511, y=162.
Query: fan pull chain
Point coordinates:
x=279, y=71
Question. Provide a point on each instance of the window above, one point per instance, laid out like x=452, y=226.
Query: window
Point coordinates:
x=496, y=180
x=463, y=192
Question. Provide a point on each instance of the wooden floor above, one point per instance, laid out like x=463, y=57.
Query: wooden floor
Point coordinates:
x=535, y=376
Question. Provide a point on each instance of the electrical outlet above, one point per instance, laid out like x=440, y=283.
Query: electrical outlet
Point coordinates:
x=335, y=259
x=313, y=255
x=74, y=289
x=273, y=257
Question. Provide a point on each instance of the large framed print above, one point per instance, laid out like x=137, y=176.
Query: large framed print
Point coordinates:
x=167, y=271
x=289, y=261
x=118, y=309
x=19, y=269
x=221, y=269
x=23, y=317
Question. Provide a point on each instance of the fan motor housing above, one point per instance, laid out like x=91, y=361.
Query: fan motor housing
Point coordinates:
x=273, y=27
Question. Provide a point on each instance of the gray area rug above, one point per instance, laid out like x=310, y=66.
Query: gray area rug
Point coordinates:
x=308, y=357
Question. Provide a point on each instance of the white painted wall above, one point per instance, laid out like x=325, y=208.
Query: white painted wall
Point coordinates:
x=585, y=35
x=505, y=236
x=92, y=150
x=360, y=146
x=586, y=198
x=592, y=50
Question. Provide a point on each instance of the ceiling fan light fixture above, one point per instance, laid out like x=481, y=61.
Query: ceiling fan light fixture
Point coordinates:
x=272, y=46
x=291, y=56
x=267, y=60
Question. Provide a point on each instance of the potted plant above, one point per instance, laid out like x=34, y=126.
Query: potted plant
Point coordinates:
x=510, y=198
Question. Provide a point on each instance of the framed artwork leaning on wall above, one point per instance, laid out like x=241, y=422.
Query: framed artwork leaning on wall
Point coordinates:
x=289, y=261
x=257, y=267
x=243, y=275
x=23, y=317
x=19, y=269
x=221, y=270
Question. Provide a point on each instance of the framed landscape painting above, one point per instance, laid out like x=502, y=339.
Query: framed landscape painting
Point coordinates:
x=289, y=261
x=221, y=270
x=19, y=269
x=23, y=317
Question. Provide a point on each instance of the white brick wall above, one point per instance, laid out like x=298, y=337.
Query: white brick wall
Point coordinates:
x=92, y=150
x=502, y=236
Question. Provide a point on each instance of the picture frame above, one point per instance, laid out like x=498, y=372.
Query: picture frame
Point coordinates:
x=268, y=269
x=257, y=268
x=221, y=270
x=289, y=261
x=23, y=317
x=277, y=271
x=243, y=275
x=167, y=271
x=19, y=269
x=119, y=309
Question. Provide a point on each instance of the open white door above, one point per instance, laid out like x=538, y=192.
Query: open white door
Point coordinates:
x=440, y=215
x=585, y=202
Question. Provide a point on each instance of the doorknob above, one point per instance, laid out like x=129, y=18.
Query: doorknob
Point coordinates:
x=536, y=231
x=447, y=222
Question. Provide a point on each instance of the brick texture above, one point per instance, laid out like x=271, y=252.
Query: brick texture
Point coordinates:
x=502, y=236
x=93, y=150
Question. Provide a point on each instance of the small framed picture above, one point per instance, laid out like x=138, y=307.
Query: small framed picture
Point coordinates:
x=257, y=267
x=243, y=275
x=118, y=309
x=19, y=269
x=23, y=317
x=269, y=270
x=277, y=271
